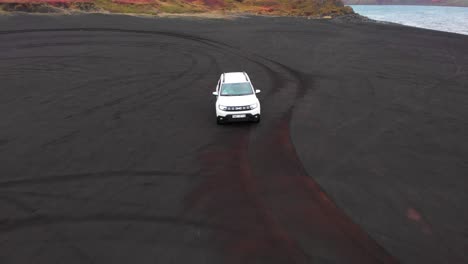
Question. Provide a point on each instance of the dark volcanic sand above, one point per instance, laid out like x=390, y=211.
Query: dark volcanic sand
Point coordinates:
x=109, y=150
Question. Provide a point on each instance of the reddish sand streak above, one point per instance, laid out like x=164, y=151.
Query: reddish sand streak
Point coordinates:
x=415, y=216
x=281, y=214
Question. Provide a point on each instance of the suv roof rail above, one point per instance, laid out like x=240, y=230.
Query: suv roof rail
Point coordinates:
x=246, y=77
x=222, y=79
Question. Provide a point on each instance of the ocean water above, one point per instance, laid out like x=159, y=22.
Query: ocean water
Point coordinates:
x=442, y=18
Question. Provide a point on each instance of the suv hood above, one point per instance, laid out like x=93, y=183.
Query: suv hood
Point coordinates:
x=237, y=100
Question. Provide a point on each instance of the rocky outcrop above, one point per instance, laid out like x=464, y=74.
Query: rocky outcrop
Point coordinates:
x=407, y=2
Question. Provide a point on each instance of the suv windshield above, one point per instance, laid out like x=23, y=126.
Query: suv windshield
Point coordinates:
x=235, y=89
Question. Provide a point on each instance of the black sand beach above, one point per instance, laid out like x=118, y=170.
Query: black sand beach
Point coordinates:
x=110, y=153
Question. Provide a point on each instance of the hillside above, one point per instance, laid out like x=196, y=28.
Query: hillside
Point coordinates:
x=316, y=8
x=408, y=2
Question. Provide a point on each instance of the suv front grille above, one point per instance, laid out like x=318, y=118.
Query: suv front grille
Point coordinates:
x=238, y=108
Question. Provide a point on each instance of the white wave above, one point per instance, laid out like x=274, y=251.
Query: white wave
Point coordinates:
x=442, y=18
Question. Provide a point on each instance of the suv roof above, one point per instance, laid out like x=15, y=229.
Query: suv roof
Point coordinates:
x=235, y=77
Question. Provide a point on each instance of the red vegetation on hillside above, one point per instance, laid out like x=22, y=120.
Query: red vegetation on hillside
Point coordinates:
x=274, y=7
x=137, y=2
x=51, y=2
x=213, y=3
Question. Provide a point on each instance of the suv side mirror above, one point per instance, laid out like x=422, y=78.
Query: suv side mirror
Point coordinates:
x=215, y=93
x=257, y=91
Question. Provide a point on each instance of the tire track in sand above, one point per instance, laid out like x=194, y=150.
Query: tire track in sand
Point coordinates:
x=256, y=182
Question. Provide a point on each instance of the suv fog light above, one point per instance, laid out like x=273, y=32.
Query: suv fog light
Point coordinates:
x=222, y=107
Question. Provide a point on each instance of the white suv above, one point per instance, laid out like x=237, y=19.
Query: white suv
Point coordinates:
x=236, y=99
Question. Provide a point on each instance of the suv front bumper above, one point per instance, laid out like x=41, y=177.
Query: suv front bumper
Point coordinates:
x=227, y=116
x=230, y=118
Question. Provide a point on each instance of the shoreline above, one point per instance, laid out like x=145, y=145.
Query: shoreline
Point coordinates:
x=343, y=19
x=355, y=17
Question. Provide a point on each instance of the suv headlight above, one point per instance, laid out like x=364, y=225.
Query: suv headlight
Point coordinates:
x=253, y=106
x=222, y=107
